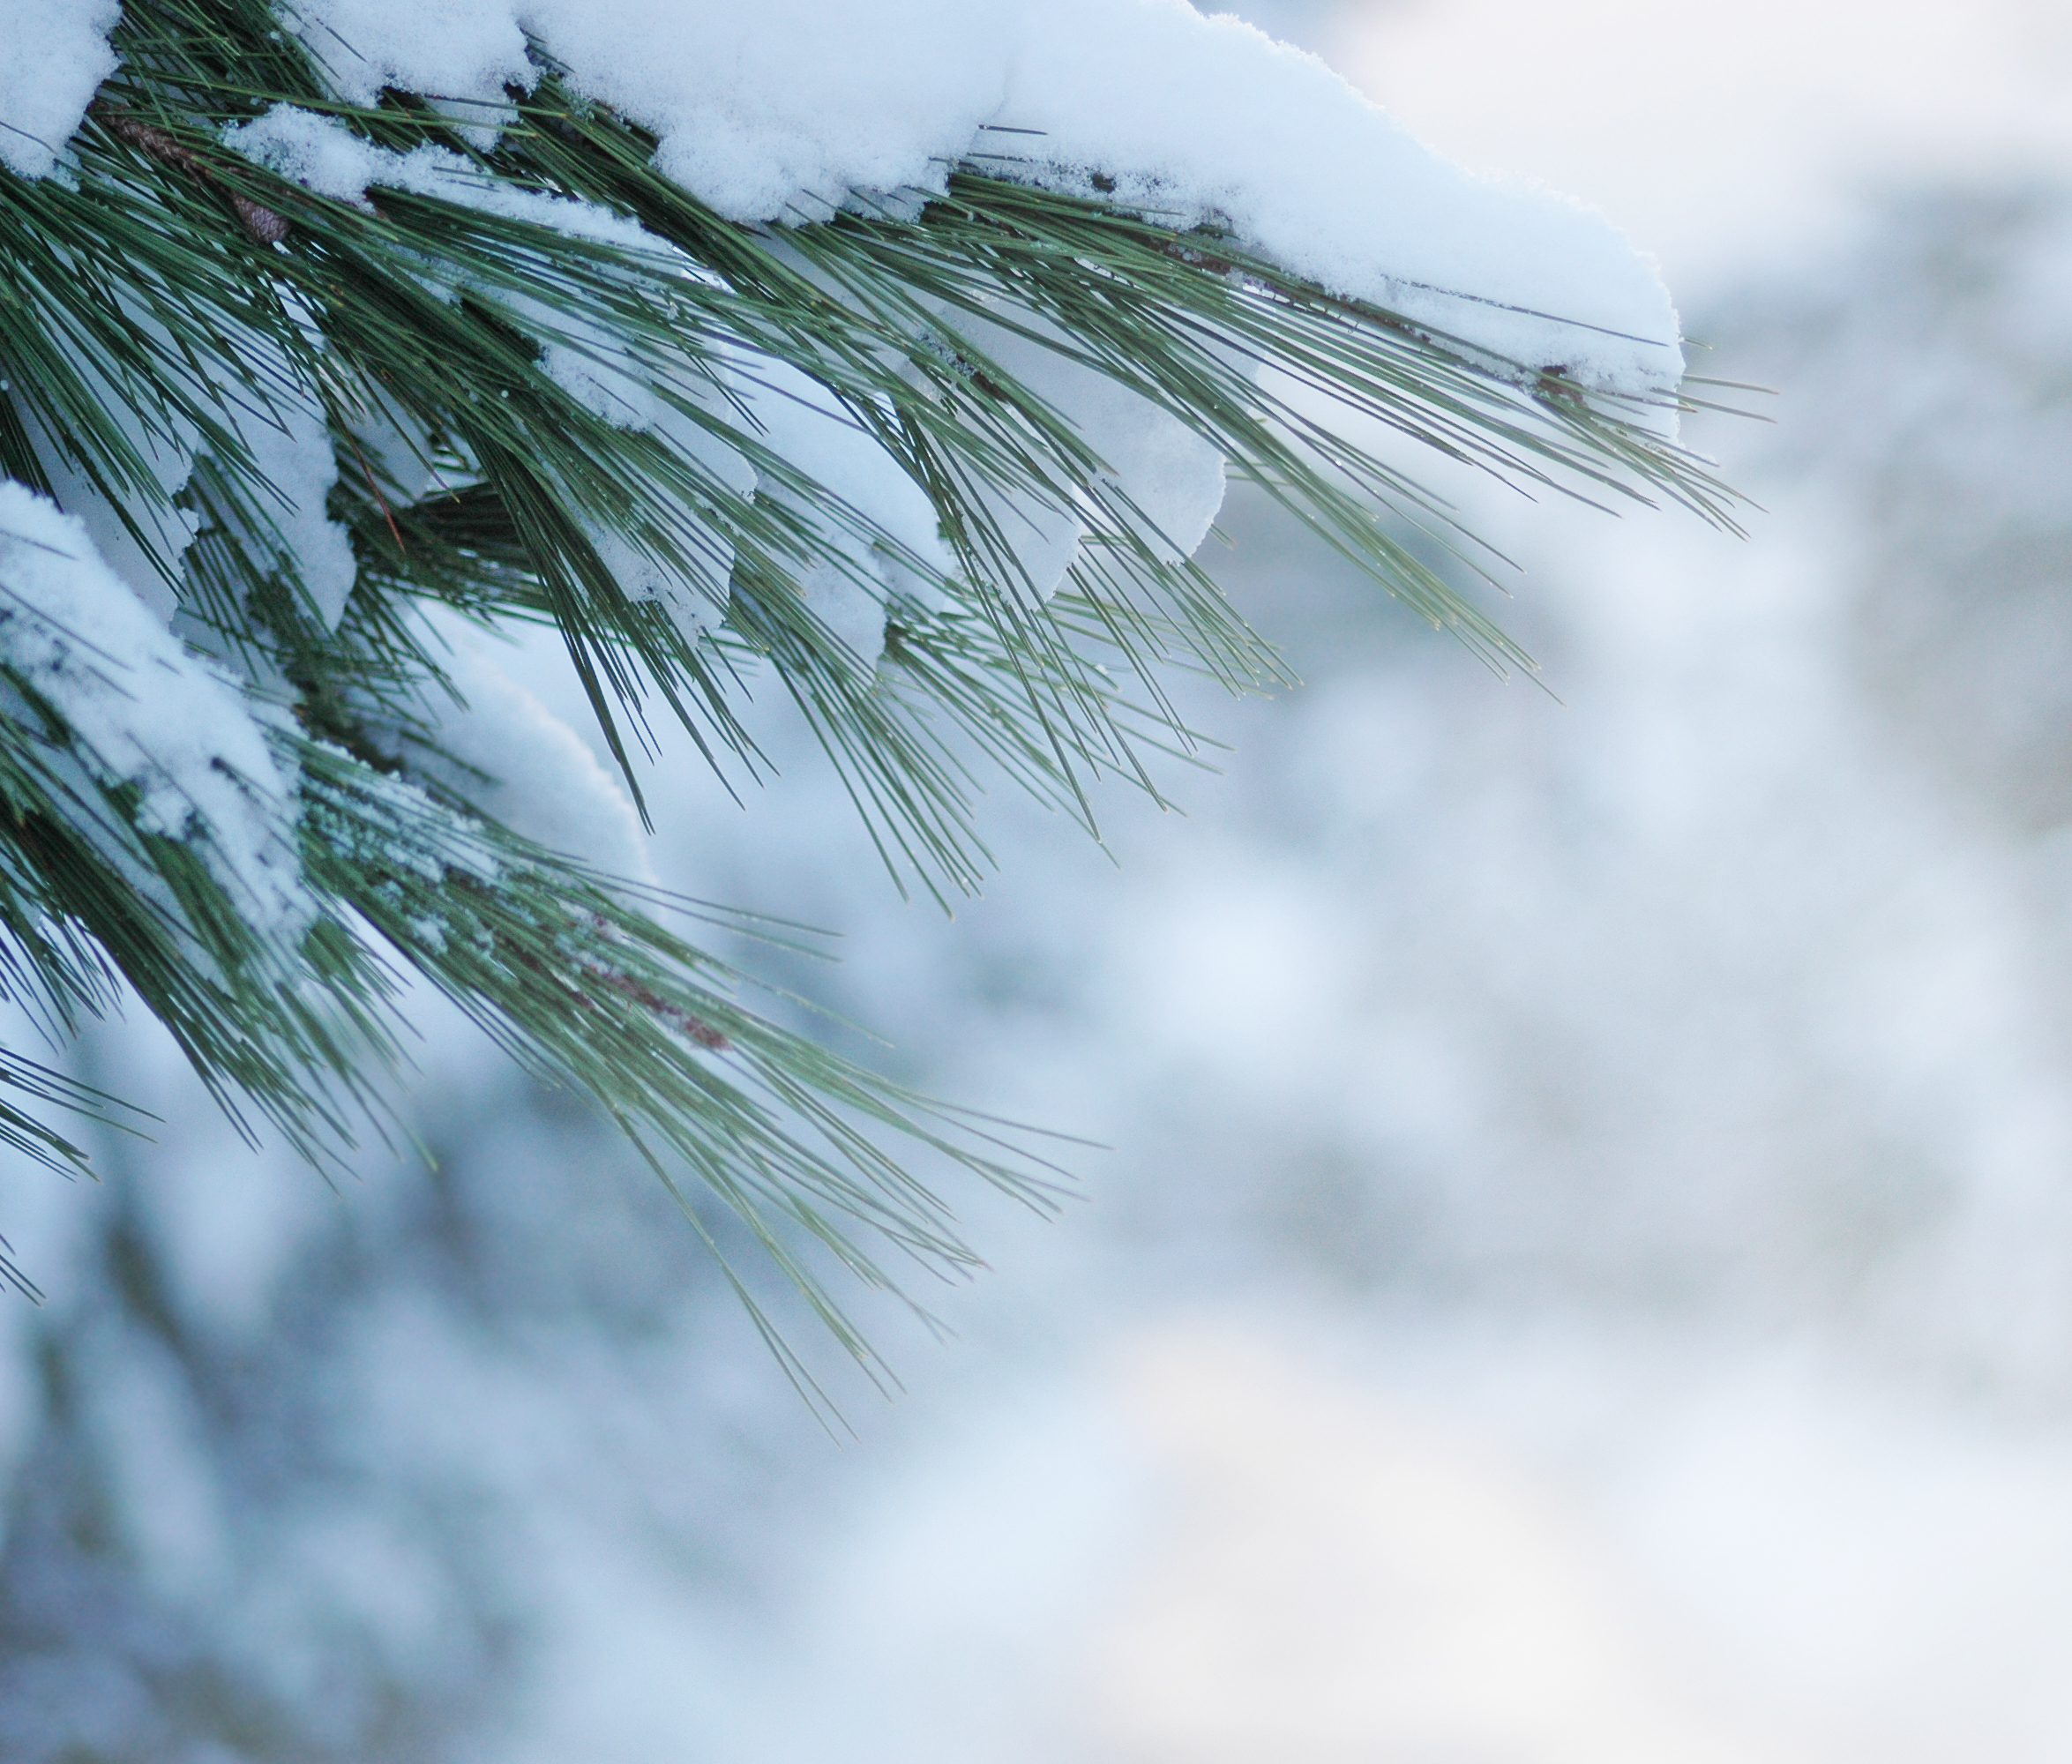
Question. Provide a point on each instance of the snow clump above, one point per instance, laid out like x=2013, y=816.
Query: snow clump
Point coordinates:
x=520, y=764
x=144, y=711
x=789, y=109
x=54, y=54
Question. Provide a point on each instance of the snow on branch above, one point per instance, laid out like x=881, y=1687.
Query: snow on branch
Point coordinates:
x=788, y=110
x=140, y=709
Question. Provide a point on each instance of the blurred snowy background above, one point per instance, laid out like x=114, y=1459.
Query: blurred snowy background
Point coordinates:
x=1584, y=1265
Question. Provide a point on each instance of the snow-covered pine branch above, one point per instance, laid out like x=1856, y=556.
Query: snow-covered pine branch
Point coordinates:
x=899, y=349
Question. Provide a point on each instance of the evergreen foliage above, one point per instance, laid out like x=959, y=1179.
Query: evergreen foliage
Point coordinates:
x=171, y=293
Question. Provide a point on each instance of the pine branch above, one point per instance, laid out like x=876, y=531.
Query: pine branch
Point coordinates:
x=544, y=375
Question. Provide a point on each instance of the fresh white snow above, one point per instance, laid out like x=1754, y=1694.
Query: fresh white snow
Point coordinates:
x=869, y=497
x=1195, y=120
x=293, y=453
x=526, y=768
x=54, y=58
x=323, y=154
x=144, y=711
